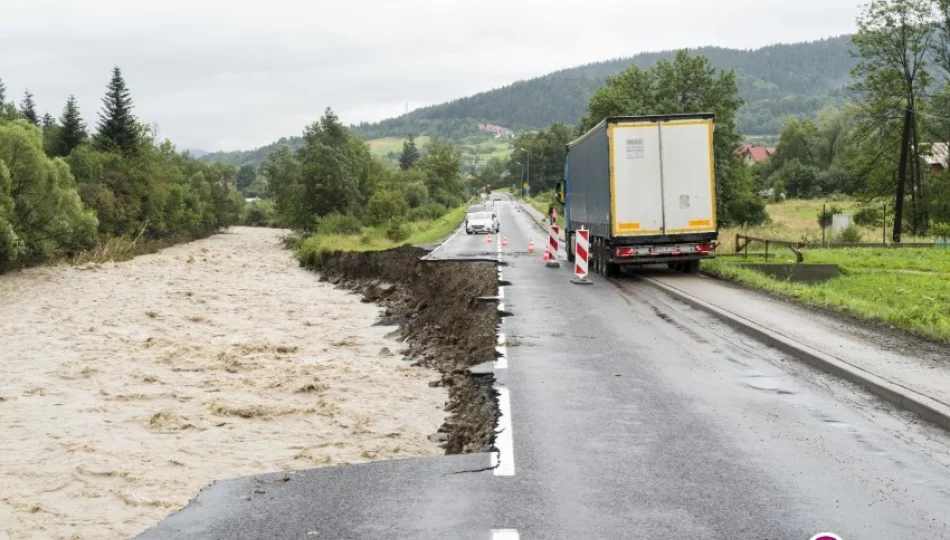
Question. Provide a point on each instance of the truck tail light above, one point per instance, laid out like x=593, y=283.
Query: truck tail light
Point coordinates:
x=626, y=252
x=704, y=248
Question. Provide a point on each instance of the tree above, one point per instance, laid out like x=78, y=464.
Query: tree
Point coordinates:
x=48, y=216
x=410, y=154
x=894, y=39
x=72, y=128
x=3, y=95
x=116, y=123
x=28, y=108
x=688, y=84
x=443, y=179
x=246, y=176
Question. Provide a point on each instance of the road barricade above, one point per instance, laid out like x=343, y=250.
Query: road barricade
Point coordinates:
x=581, y=257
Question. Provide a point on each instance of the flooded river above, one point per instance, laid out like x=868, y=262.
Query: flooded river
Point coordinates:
x=125, y=388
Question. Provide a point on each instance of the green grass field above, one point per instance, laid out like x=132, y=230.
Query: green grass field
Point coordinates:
x=382, y=147
x=904, y=288
x=472, y=151
x=797, y=221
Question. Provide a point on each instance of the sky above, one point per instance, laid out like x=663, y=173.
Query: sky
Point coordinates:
x=236, y=74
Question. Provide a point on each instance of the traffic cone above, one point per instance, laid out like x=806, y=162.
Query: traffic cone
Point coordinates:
x=489, y=239
x=504, y=241
x=547, y=255
x=531, y=246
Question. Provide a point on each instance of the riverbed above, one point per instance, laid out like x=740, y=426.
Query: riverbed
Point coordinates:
x=126, y=387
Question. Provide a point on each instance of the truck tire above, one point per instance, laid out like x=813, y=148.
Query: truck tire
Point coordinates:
x=691, y=267
x=612, y=270
x=569, y=248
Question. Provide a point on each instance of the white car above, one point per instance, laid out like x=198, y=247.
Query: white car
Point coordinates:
x=481, y=222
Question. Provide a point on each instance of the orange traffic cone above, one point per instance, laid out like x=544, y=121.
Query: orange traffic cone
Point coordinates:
x=489, y=239
x=504, y=241
x=531, y=246
x=547, y=255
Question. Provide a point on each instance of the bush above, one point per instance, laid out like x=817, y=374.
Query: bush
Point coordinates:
x=826, y=216
x=940, y=230
x=869, y=216
x=385, y=206
x=850, y=235
x=747, y=209
x=416, y=194
x=259, y=214
x=427, y=212
x=336, y=223
x=397, y=231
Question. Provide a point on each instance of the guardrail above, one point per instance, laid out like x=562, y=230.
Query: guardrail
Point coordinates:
x=743, y=241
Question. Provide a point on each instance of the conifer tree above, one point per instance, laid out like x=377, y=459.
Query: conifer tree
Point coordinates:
x=116, y=122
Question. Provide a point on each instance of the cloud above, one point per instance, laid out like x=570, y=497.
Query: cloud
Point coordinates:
x=221, y=75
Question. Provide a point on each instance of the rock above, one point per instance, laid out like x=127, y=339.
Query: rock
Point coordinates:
x=435, y=384
x=439, y=438
x=385, y=352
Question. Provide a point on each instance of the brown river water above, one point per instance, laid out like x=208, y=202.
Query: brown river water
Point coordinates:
x=125, y=388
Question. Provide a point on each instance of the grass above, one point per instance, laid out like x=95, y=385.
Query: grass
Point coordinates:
x=797, y=221
x=907, y=289
x=375, y=239
x=382, y=147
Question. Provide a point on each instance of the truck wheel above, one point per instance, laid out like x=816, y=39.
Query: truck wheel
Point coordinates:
x=569, y=249
x=612, y=270
x=692, y=267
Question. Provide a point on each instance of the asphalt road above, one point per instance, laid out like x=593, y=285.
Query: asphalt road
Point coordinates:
x=631, y=416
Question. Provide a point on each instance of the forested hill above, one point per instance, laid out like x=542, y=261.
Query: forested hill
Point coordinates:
x=776, y=82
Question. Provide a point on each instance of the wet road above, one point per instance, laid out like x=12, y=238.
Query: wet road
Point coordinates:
x=629, y=415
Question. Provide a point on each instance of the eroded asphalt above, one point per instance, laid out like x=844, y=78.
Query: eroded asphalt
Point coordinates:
x=632, y=416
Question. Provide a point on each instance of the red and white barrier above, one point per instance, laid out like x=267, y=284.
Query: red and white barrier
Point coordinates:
x=550, y=250
x=581, y=256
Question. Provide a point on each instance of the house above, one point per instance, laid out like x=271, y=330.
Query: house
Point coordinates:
x=939, y=158
x=751, y=155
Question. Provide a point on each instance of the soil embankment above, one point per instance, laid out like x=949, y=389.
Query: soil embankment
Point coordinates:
x=444, y=324
x=127, y=387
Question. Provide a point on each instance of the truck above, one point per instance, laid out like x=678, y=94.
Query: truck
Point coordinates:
x=645, y=188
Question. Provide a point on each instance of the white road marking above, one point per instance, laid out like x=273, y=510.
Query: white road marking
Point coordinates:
x=503, y=460
x=502, y=361
x=505, y=534
x=501, y=293
x=443, y=244
x=501, y=339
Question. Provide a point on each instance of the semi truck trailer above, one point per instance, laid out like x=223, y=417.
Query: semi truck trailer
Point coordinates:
x=645, y=188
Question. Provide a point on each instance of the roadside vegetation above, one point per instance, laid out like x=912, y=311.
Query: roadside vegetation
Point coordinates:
x=66, y=193
x=337, y=196
x=906, y=289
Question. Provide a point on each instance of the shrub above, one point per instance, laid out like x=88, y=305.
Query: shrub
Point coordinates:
x=747, y=209
x=336, y=223
x=385, y=206
x=940, y=230
x=259, y=214
x=397, y=231
x=850, y=235
x=416, y=194
x=826, y=216
x=869, y=216
x=427, y=212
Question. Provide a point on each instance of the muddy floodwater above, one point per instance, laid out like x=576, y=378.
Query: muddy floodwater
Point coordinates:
x=125, y=388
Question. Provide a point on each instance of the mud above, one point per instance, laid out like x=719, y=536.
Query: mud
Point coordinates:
x=125, y=388
x=444, y=326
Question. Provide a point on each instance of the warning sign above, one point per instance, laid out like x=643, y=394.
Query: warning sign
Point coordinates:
x=635, y=149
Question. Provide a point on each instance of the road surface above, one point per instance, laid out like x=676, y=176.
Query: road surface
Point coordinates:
x=627, y=415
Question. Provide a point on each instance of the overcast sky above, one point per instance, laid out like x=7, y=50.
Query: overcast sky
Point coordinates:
x=237, y=74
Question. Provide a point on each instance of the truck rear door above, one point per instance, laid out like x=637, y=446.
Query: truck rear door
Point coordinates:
x=689, y=193
x=637, y=202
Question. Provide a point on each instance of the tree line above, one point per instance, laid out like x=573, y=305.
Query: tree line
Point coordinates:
x=64, y=189
x=332, y=184
x=878, y=146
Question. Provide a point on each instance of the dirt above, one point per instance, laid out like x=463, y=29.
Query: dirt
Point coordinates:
x=128, y=387
x=445, y=326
